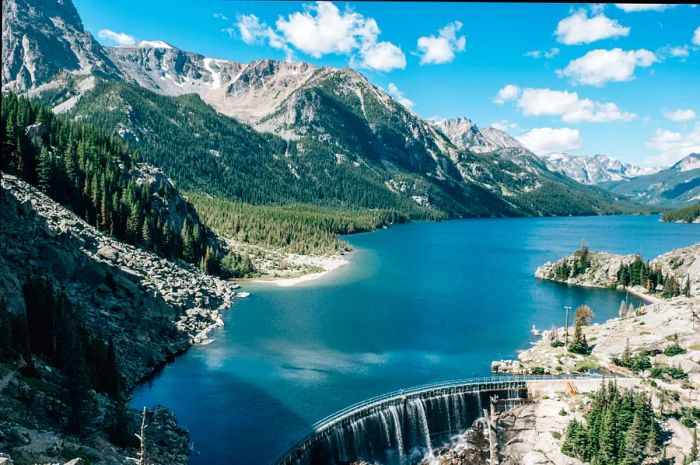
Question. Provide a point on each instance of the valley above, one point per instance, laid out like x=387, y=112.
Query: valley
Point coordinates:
x=207, y=249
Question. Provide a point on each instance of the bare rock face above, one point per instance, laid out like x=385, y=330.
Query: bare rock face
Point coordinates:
x=42, y=38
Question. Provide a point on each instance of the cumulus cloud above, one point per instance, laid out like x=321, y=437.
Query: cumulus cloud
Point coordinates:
x=548, y=54
x=672, y=146
x=399, y=96
x=507, y=93
x=696, y=37
x=253, y=31
x=598, y=67
x=564, y=104
x=322, y=29
x=546, y=140
x=382, y=56
x=442, y=48
x=634, y=7
x=221, y=16
x=579, y=28
x=680, y=115
x=116, y=38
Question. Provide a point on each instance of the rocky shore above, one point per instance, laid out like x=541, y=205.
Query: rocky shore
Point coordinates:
x=666, y=331
x=149, y=308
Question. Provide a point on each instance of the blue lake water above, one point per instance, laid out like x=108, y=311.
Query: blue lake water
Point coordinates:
x=419, y=303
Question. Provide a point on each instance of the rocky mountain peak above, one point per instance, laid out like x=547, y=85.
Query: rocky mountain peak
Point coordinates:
x=691, y=162
x=463, y=133
x=43, y=38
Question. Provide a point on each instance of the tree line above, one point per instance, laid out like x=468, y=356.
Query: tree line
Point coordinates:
x=93, y=174
x=620, y=429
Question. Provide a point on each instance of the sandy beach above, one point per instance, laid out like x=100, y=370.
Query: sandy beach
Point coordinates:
x=327, y=263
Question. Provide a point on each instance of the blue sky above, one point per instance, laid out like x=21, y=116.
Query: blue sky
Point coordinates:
x=585, y=79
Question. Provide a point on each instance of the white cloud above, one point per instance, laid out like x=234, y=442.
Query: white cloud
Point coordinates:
x=506, y=125
x=696, y=36
x=442, y=48
x=322, y=29
x=399, y=97
x=509, y=92
x=116, y=38
x=600, y=66
x=679, y=51
x=382, y=56
x=634, y=7
x=672, y=146
x=548, y=54
x=546, y=140
x=253, y=31
x=680, y=115
x=579, y=28
x=567, y=105
x=221, y=16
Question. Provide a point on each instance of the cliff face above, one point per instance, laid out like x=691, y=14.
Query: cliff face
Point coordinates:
x=149, y=308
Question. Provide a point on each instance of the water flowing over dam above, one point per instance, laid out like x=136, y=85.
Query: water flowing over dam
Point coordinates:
x=400, y=428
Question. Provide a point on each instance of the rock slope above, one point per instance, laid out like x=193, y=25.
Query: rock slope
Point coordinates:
x=153, y=308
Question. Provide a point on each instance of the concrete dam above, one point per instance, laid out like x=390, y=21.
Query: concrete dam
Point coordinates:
x=400, y=428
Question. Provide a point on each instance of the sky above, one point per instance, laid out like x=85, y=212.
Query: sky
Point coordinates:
x=620, y=80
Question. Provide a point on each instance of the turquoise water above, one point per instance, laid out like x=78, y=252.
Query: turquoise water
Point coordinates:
x=419, y=303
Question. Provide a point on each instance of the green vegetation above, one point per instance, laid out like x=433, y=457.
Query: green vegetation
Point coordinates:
x=582, y=317
x=685, y=215
x=578, y=266
x=94, y=175
x=640, y=273
x=673, y=372
x=620, y=429
x=635, y=362
x=296, y=228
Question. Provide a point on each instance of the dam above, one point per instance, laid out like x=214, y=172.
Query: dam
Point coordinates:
x=401, y=428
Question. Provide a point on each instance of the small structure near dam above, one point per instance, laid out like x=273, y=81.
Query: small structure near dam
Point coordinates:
x=400, y=427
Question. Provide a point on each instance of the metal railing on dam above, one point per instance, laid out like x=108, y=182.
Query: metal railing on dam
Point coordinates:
x=388, y=427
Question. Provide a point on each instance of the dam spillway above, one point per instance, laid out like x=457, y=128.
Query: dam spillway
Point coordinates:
x=402, y=427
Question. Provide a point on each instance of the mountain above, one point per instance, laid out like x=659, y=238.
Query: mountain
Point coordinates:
x=677, y=186
x=463, y=133
x=44, y=41
x=279, y=132
x=596, y=169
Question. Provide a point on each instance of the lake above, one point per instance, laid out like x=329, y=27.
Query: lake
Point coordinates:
x=419, y=303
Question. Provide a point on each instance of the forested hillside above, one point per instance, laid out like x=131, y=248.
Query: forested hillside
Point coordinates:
x=689, y=214
x=98, y=178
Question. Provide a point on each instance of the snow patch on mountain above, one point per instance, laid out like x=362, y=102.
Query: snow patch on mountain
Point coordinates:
x=595, y=169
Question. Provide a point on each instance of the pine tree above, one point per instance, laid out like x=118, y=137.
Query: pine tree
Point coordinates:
x=44, y=171
x=694, y=453
x=623, y=310
x=634, y=446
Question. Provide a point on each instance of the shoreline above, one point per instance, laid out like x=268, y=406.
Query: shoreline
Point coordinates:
x=328, y=265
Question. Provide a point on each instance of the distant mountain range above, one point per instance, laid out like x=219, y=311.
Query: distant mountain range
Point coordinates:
x=299, y=133
x=595, y=169
x=676, y=186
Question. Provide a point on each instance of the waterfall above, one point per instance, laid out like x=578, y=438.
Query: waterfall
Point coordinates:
x=401, y=430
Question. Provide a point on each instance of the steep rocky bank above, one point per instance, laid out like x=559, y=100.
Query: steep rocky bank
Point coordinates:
x=149, y=308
